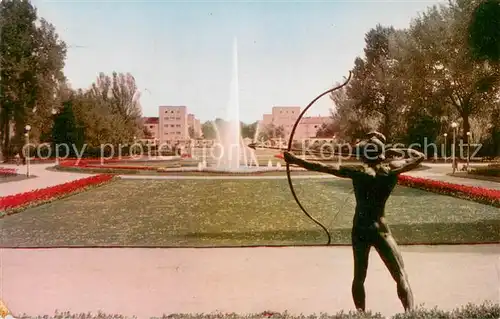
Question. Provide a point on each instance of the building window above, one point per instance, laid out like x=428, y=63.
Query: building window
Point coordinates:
x=171, y=111
x=151, y=126
x=172, y=125
x=177, y=118
x=178, y=125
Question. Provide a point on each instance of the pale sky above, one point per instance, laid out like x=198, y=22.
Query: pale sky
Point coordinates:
x=181, y=51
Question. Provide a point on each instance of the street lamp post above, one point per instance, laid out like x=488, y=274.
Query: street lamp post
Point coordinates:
x=27, y=134
x=130, y=151
x=54, y=112
x=454, y=125
x=468, y=150
x=445, y=137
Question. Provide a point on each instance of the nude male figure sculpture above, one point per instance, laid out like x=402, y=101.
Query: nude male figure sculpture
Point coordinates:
x=373, y=181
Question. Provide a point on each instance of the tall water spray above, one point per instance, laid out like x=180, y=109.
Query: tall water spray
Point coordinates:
x=230, y=135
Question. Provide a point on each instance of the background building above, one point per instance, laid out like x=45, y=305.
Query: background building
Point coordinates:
x=172, y=125
x=152, y=125
x=286, y=116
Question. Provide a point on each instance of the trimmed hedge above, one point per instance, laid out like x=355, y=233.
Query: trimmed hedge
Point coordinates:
x=490, y=170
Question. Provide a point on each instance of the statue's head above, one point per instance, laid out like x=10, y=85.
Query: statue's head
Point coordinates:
x=372, y=148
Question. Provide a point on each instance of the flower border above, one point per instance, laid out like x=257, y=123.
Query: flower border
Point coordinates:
x=15, y=203
x=8, y=171
x=478, y=194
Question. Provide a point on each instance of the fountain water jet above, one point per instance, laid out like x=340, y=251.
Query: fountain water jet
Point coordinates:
x=232, y=153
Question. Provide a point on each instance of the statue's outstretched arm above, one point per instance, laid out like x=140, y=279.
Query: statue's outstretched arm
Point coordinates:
x=336, y=170
x=413, y=160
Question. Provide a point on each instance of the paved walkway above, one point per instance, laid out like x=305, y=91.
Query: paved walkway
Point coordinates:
x=150, y=282
x=43, y=178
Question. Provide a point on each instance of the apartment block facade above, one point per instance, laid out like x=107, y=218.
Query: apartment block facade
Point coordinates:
x=174, y=122
x=286, y=116
x=172, y=125
x=153, y=126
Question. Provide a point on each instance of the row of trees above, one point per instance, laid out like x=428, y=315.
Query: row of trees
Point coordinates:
x=209, y=129
x=412, y=84
x=252, y=131
x=34, y=90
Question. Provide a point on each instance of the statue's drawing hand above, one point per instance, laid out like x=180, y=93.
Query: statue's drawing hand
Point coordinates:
x=289, y=157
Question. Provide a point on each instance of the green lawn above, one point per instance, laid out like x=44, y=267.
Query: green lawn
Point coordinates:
x=207, y=213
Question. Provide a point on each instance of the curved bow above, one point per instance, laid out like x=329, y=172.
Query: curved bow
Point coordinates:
x=292, y=133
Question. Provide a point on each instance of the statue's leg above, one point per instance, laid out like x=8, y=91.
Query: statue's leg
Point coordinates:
x=388, y=250
x=361, y=252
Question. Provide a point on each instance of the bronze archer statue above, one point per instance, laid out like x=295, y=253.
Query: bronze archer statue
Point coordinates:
x=373, y=181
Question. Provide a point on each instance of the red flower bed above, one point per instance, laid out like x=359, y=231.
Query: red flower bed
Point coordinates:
x=479, y=194
x=8, y=171
x=147, y=168
x=41, y=160
x=280, y=156
x=49, y=193
x=97, y=164
x=84, y=161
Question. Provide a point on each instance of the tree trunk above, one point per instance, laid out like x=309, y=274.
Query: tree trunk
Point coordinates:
x=6, y=139
x=465, y=118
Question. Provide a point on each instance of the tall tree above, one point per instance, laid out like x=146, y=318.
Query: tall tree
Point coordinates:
x=376, y=90
x=116, y=100
x=51, y=83
x=328, y=130
x=248, y=130
x=17, y=77
x=440, y=53
x=66, y=129
x=208, y=130
x=484, y=30
x=271, y=131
